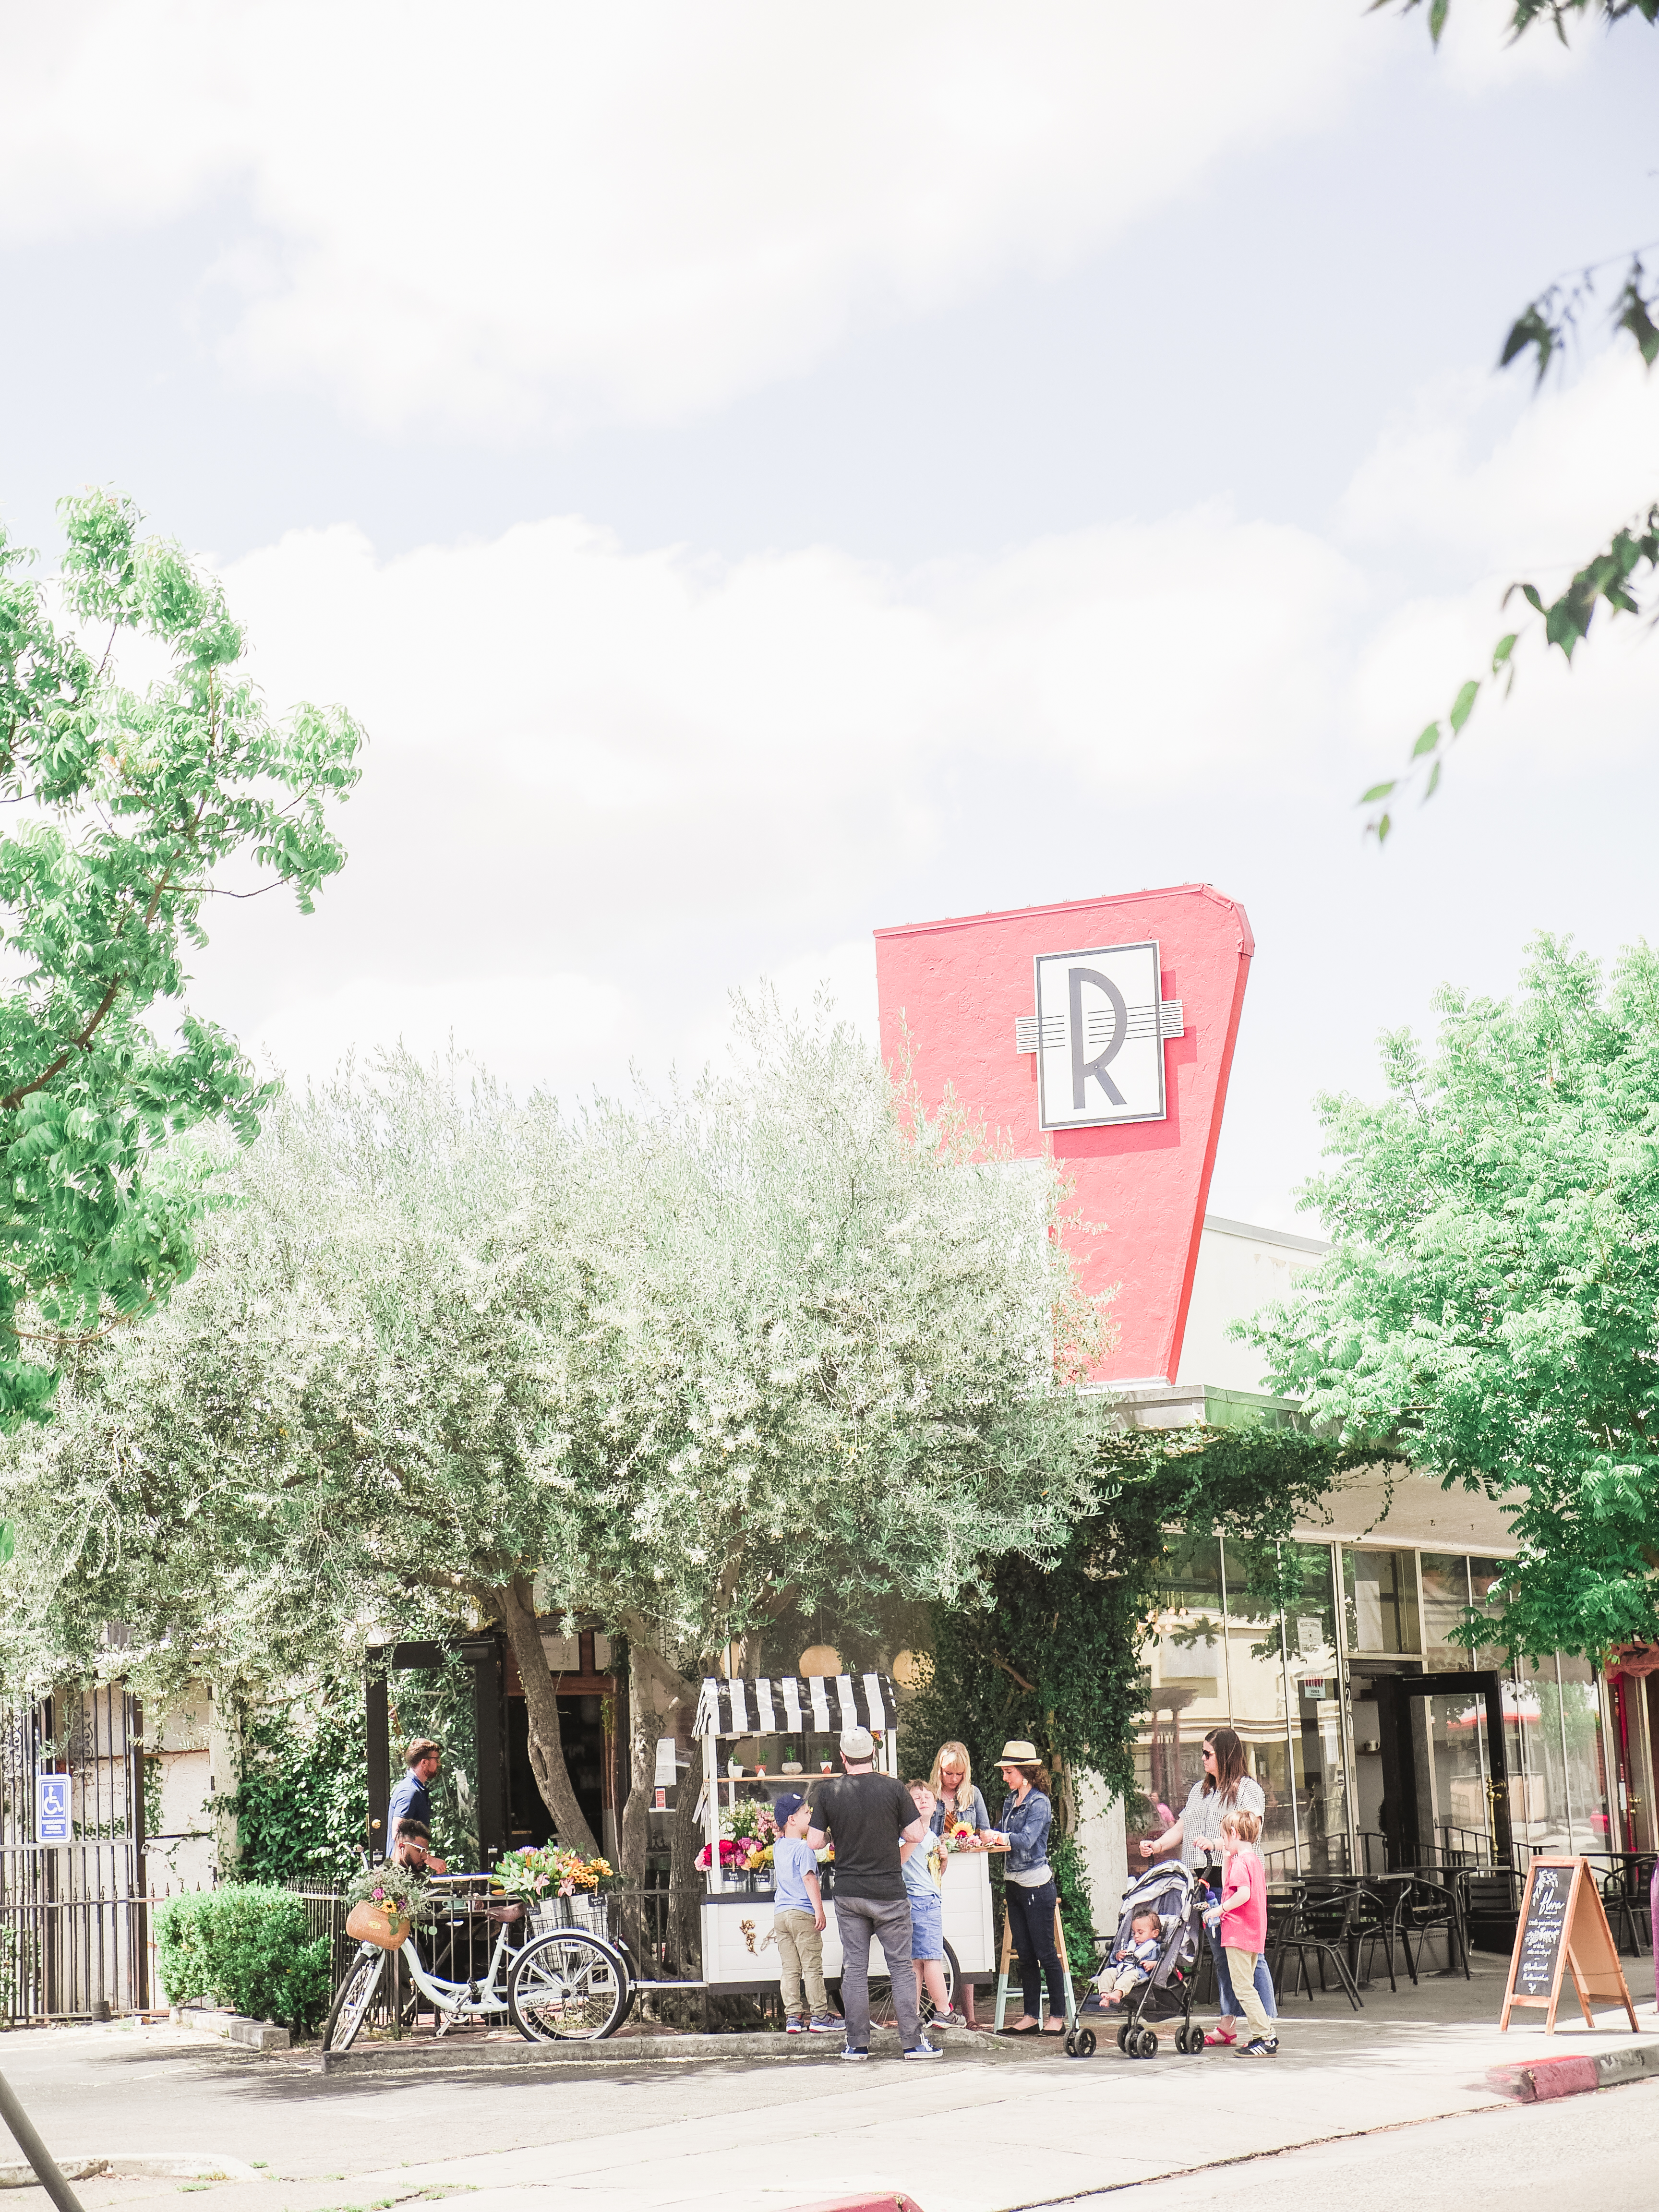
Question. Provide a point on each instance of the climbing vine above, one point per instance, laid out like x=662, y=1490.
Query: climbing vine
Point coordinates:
x=1057, y=1656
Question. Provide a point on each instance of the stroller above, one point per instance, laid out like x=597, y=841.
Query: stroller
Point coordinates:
x=1167, y=1993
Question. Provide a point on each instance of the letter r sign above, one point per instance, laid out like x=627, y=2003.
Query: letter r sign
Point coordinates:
x=1099, y=1032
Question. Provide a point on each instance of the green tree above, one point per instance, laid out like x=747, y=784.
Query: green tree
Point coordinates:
x=1058, y=1654
x=1490, y=1302
x=451, y=1360
x=130, y=807
x=1624, y=569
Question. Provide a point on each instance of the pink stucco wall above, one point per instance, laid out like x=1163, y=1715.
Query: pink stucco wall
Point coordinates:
x=957, y=987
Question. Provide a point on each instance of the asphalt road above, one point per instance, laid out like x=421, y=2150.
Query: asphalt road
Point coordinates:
x=1603, y=2148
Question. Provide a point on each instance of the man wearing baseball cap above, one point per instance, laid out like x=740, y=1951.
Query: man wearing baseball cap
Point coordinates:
x=875, y=1826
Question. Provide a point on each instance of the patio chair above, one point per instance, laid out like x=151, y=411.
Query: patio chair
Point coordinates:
x=1321, y=1924
x=1378, y=1920
x=1428, y=1908
x=1625, y=1896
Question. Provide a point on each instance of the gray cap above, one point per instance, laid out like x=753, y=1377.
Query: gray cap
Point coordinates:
x=858, y=1743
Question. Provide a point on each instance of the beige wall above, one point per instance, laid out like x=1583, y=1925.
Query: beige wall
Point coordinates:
x=1239, y=1270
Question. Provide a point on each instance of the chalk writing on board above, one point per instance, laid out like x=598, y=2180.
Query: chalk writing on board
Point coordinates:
x=1545, y=1929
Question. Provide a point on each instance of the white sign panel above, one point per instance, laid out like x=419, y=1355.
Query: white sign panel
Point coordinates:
x=1099, y=1036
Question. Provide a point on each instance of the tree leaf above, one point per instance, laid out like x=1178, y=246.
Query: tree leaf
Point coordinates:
x=1502, y=650
x=1463, y=705
x=1378, y=791
x=1427, y=741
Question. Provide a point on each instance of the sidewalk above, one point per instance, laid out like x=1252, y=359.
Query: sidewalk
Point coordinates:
x=1032, y=2131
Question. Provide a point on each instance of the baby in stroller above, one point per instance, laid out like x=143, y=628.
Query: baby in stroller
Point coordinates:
x=1135, y=1955
x=1151, y=1971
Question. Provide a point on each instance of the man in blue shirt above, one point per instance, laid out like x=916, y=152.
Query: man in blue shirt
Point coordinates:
x=410, y=1800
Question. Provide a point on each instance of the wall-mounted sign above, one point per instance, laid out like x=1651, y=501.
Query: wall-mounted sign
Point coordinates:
x=53, y=1822
x=1098, y=1036
x=1138, y=1149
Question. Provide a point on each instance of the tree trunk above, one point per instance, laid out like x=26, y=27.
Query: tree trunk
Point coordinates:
x=516, y=1604
x=684, y=1880
x=642, y=1730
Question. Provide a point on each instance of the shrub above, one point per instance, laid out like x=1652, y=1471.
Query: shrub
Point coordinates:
x=245, y=1946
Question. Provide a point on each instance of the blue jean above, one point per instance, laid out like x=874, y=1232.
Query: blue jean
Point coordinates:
x=1230, y=2007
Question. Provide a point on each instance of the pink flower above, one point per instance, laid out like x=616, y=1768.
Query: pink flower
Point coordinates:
x=567, y=1889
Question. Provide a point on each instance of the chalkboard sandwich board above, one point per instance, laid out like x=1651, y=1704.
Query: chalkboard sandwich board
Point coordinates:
x=1564, y=1930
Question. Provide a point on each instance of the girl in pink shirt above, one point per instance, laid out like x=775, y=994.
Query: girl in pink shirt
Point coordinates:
x=1243, y=1929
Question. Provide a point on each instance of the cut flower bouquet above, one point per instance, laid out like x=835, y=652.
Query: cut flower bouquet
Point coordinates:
x=541, y=1871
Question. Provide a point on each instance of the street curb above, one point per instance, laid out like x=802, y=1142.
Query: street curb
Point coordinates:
x=1542, y=2081
x=232, y=2027
x=647, y=2051
x=133, y=2166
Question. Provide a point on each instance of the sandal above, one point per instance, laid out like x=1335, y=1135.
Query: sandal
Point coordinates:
x=1217, y=2035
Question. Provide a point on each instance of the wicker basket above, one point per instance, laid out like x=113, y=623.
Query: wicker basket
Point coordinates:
x=590, y=1910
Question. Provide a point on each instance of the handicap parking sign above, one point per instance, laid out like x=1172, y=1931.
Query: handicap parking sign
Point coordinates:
x=51, y=1810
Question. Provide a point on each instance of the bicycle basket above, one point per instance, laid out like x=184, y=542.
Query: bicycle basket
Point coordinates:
x=590, y=1910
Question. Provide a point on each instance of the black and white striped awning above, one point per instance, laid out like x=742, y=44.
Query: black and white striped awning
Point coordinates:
x=796, y=1705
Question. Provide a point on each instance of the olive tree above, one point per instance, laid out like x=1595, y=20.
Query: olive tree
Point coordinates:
x=451, y=1360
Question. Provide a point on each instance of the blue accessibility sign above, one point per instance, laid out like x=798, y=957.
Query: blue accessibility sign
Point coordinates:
x=53, y=1822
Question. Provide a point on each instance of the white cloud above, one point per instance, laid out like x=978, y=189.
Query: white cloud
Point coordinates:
x=648, y=776
x=520, y=210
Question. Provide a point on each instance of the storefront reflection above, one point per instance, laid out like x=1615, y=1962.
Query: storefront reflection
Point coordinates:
x=1301, y=1690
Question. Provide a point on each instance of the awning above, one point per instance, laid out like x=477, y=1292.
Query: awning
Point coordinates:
x=796, y=1705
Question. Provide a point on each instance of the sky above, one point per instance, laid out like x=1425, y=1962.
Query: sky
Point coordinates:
x=763, y=474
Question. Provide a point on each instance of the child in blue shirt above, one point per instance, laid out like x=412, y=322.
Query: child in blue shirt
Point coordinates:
x=797, y=1921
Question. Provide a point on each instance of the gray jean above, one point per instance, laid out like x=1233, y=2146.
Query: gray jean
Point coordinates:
x=888, y=1919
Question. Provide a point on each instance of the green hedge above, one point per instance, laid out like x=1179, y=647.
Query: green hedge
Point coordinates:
x=243, y=1947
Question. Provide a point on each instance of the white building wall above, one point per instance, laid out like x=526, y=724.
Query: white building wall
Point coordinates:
x=1239, y=1270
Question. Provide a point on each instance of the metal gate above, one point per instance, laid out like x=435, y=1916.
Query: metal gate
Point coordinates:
x=74, y=1917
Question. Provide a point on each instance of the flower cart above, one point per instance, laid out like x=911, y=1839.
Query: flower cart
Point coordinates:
x=787, y=1729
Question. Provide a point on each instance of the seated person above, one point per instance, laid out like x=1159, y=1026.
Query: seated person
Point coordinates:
x=411, y=1846
x=1136, y=1956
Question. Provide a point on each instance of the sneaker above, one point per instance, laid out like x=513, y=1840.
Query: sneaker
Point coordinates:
x=924, y=2050
x=795, y=2024
x=852, y=2050
x=949, y=2020
x=826, y=2023
x=1260, y=2046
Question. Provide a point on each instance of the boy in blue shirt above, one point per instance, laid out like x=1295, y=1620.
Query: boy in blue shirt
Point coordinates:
x=797, y=1921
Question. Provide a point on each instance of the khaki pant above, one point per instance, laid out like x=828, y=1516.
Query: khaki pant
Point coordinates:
x=1240, y=1965
x=800, y=1954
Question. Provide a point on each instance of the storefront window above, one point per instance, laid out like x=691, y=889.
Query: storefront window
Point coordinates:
x=1318, y=1754
x=1256, y=1669
x=1584, y=1754
x=1483, y=1574
x=1540, y=1815
x=1187, y=1663
x=1445, y=1576
x=1379, y=1591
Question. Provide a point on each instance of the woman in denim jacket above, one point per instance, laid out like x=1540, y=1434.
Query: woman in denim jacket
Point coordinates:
x=1029, y=1889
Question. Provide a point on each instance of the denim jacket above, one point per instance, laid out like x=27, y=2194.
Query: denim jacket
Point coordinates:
x=1026, y=1827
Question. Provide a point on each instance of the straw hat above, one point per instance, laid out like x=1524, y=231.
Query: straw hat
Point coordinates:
x=1018, y=1753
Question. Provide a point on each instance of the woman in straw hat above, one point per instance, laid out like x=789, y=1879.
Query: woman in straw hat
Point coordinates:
x=1028, y=1890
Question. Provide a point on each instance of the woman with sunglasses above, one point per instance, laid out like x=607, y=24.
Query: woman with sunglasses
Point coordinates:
x=1222, y=1787
x=957, y=1799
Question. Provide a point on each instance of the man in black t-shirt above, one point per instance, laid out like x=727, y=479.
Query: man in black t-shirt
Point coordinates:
x=874, y=1825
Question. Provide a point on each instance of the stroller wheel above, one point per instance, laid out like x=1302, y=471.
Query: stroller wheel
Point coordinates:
x=1145, y=2043
x=1085, y=2043
x=1190, y=2040
x=1123, y=2036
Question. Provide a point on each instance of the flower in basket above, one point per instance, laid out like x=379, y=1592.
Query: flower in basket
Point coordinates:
x=399, y=1892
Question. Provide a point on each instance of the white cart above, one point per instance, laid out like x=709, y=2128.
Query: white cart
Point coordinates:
x=761, y=1715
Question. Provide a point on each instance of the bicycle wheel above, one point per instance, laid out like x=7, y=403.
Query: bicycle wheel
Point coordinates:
x=882, y=2012
x=568, y=1987
x=352, y=2000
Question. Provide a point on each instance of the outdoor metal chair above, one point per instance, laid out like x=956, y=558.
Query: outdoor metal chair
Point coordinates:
x=1625, y=1896
x=1428, y=1908
x=1321, y=1922
x=1381, y=1902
